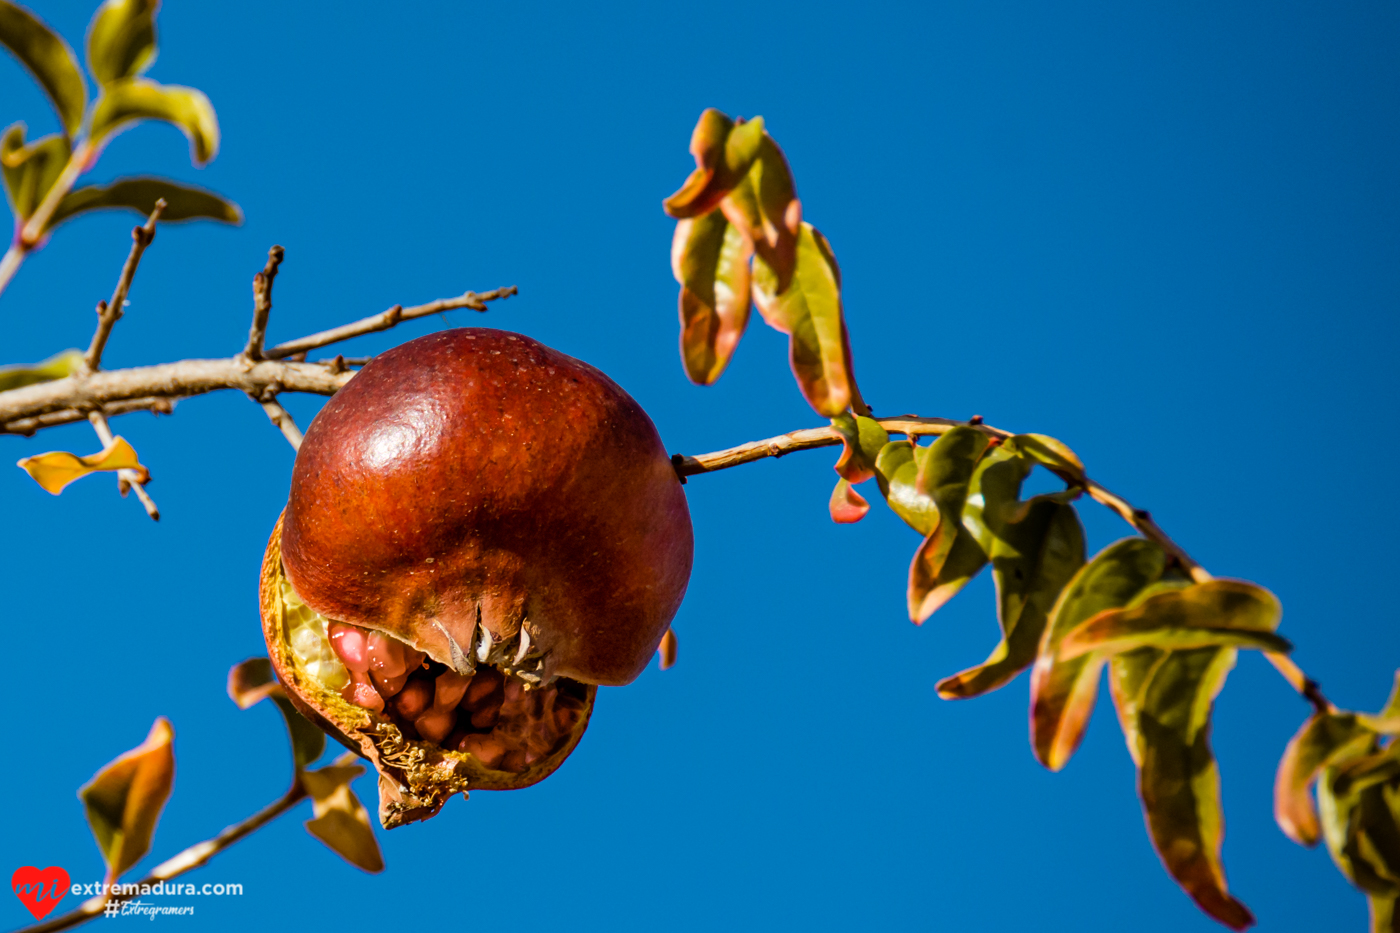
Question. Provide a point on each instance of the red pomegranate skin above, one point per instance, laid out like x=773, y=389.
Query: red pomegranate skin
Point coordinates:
x=475, y=473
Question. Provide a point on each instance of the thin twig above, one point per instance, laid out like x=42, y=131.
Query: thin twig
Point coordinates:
x=109, y=312
x=262, y=303
x=282, y=419
x=913, y=426
x=126, y=479
x=193, y=857
x=29, y=426
x=385, y=320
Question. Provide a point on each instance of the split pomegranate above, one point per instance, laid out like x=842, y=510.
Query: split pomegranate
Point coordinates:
x=480, y=530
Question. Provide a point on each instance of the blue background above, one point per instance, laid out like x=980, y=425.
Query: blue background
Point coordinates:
x=1165, y=233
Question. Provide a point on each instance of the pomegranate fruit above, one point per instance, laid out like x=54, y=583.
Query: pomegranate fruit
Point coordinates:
x=480, y=531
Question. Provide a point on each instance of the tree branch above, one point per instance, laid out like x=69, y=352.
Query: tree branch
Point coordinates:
x=262, y=303
x=109, y=312
x=193, y=857
x=915, y=426
x=126, y=479
x=282, y=420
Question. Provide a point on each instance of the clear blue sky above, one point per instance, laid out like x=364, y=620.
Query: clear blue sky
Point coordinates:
x=1163, y=232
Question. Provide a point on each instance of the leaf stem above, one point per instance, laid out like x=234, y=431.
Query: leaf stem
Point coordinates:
x=915, y=426
x=33, y=229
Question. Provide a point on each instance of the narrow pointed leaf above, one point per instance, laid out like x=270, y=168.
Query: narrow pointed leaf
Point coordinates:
x=131, y=100
x=1032, y=562
x=49, y=59
x=121, y=39
x=1063, y=692
x=1179, y=781
x=951, y=555
x=710, y=259
x=896, y=469
x=56, y=469
x=1050, y=453
x=724, y=150
x=30, y=170
x=124, y=800
x=341, y=821
x=59, y=366
x=182, y=202
x=1217, y=613
x=779, y=212
x=847, y=505
x=809, y=312
x=1358, y=800
x=862, y=439
x=253, y=681
x=1325, y=739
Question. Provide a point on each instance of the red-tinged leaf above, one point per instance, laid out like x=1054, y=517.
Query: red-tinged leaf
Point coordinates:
x=49, y=59
x=1178, y=779
x=1217, y=613
x=1063, y=692
x=710, y=259
x=862, y=440
x=896, y=469
x=779, y=212
x=30, y=170
x=666, y=651
x=950, y=555
x=1032, y=561
x=809, y=312
x=1324, y=740
x=341, y=821
x=252, y=681
x=124, y=800
x=724, y=150
x=847, y=505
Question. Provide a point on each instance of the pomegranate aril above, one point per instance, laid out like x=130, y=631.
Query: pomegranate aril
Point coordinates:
x=450, y=689
x=414, y=699
x=435, y=724
x=350, y=644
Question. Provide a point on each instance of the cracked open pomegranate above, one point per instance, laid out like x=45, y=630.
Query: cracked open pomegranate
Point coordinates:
x=480, y=531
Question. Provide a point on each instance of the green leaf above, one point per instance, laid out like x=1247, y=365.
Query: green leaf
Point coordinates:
x=1324, y=740
x=1032, y=561
x=779, y=212
x=950, y=555
x=862, y=439
x=1358, y=801
x=30, y=171
x=710, y=259
x=341, y=821
x=1217, y=613
x=182, y=202
x=809, y=312
x=124, y=800
x=59, y=366
x=1063, y=691
x=134, y=99
x=1050, y=453
x=896, y=468
x=1384, y=917
x=49, y=59
x=121, y=39
x=253, y=681
x=724, y=150
x=1178, y=779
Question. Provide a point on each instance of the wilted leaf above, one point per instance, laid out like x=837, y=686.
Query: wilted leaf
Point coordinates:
x=1217, y=613
x=124, y=800
x=252, y=681
x=134, y=99
x=59, y=366
x=1063, y=692
x=847, y=505
x=341, y=821
x=1325, y=739
x=1358, y=799
x=896, y=469
x=182, y=202
x=49, y=59
x=56, y=469
x=809, y=312
x=668, y=649
x=30, y=171
x=1033, y=559
x=710, y=258
x=950, y=555
x=121, y=39
x=724, y=150
x=862, y=439
x=1178, y=779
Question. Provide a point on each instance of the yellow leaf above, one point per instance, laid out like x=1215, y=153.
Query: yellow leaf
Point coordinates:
x=341, y=821
x=124, y=799
x=56, y=469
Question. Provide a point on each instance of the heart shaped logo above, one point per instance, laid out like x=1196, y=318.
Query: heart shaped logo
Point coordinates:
x=40, y=891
